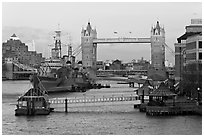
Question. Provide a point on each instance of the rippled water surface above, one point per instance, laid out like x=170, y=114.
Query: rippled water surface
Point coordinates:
x=121, y=119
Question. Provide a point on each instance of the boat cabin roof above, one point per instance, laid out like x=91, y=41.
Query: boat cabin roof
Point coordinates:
x=33, y=93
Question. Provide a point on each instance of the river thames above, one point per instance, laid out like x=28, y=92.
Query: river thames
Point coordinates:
x=121, y=119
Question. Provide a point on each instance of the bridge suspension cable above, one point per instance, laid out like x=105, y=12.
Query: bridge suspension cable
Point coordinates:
x=77, y=51
x=169, y=49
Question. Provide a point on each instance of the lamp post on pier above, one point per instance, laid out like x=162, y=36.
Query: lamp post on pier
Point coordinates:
x=198, y=92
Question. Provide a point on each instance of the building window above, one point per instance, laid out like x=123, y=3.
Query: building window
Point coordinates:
x=191, y=45
x=200, y=67
x=191, y=56
x=200, y=56
x=200, y=44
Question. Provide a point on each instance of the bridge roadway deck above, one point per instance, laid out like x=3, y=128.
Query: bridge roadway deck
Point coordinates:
x=120, y=72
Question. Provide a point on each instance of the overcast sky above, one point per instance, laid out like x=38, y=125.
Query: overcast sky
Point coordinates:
x=37, y=21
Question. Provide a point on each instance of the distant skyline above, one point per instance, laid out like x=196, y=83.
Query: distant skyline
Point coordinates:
x=38, y=21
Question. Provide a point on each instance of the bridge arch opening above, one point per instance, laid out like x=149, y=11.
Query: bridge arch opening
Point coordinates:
x=124, y=52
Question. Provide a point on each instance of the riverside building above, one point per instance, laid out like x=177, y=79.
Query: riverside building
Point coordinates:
x=188, y=59
x=18, y=51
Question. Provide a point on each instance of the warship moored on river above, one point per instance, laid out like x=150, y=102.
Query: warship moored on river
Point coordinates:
x=62, y=73
x=67, y=79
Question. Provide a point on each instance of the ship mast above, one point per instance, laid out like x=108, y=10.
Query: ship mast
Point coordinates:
x=57, y=50
x=58, y=45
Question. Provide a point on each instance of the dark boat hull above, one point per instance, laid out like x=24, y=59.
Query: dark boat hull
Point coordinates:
x=52, y=85
x=20, y=112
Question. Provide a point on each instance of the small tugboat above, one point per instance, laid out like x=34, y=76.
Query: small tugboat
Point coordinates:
x=33, y=102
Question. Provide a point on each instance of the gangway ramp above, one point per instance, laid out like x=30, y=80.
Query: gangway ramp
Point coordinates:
x=88, y=101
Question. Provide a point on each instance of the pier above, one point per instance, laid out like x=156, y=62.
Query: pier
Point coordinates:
x=164, y=102
x=178, y=108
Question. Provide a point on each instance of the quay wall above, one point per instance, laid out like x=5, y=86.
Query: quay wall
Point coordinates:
x=181, y=109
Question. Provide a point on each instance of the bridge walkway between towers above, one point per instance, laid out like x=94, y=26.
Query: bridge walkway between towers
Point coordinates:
x=121, y=40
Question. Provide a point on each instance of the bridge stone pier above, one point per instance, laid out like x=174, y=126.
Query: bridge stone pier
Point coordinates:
x=156, y=71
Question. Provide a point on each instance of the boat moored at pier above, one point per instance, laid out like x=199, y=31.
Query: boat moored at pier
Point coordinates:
x=33, y=102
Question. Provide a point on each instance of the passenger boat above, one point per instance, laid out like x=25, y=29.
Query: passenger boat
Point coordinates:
x=33, y=102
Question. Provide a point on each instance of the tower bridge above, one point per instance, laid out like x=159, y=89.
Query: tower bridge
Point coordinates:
x=156, y=71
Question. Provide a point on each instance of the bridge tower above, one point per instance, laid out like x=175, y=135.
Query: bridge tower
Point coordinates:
x=89, y=49
x=157, y=70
